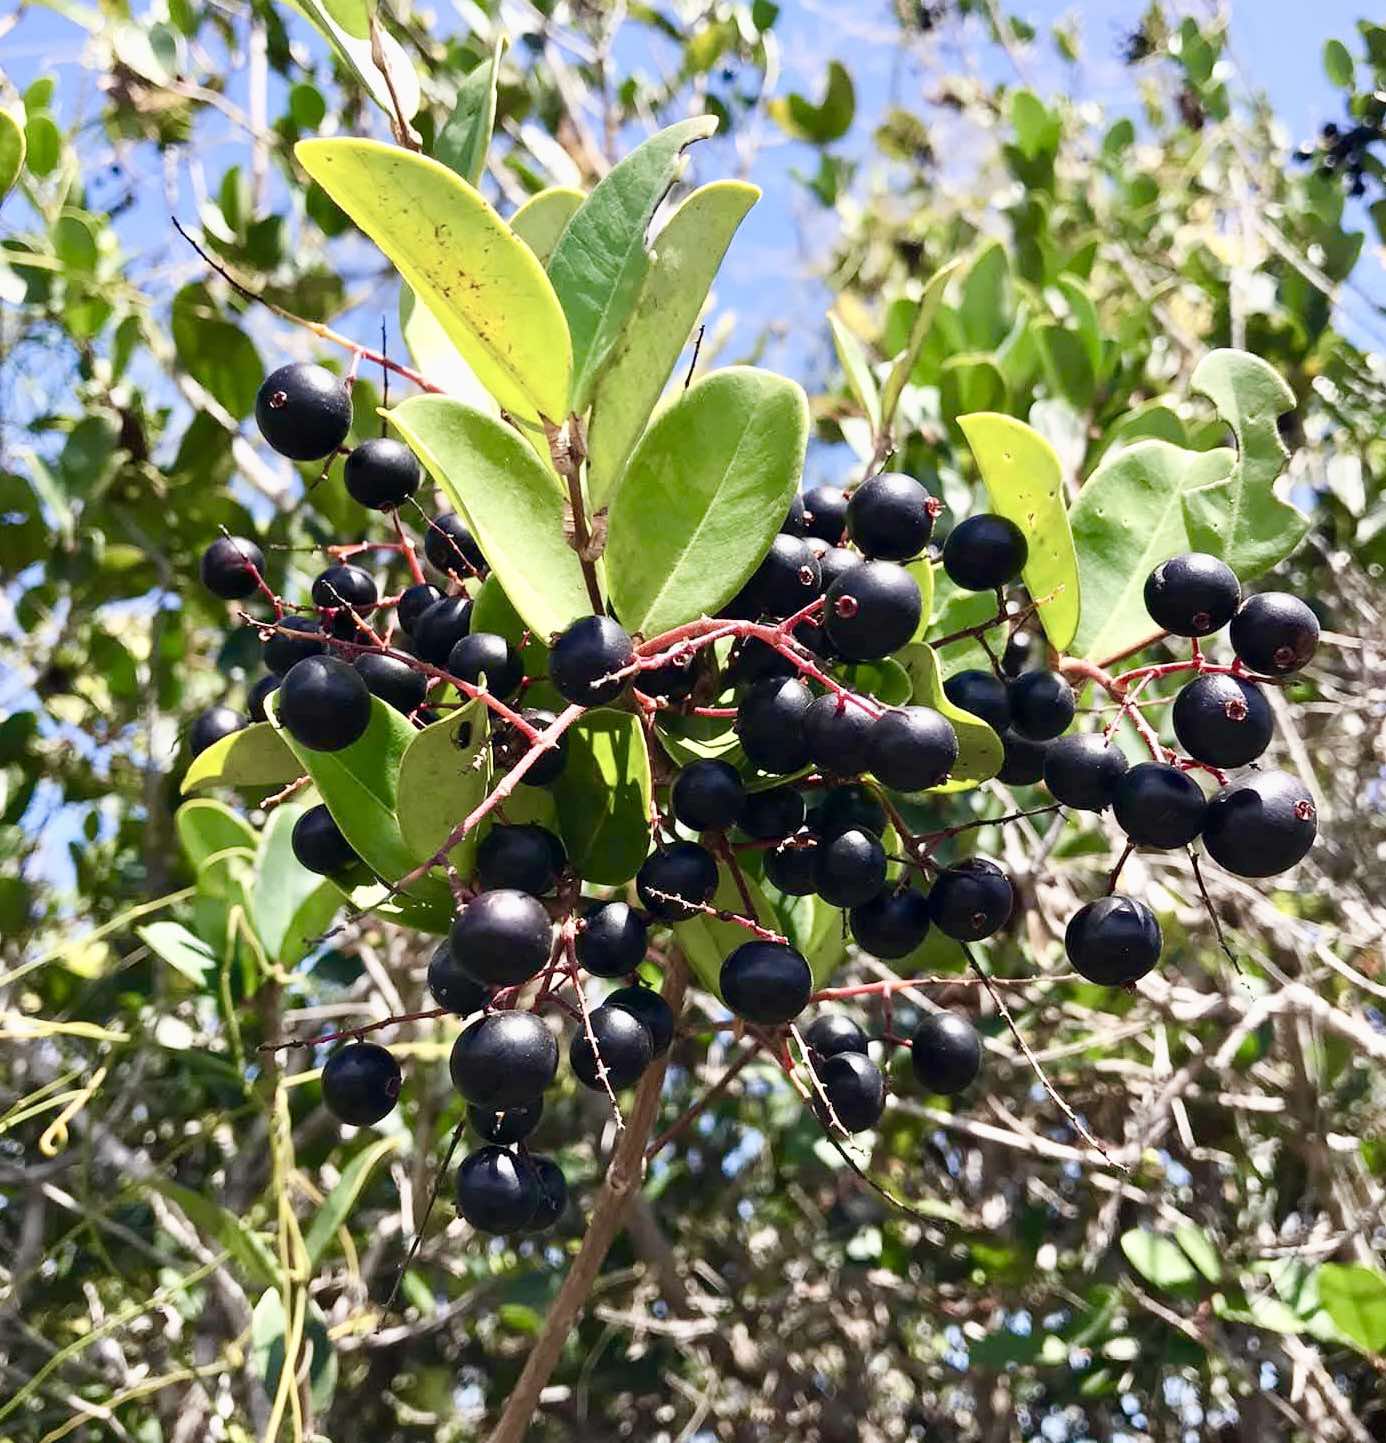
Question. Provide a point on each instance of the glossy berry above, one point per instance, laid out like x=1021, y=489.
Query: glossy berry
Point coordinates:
x=503, y=1060
x=832, y=1033
x=673, y=680
x=891, y=517
x=770, y=724
x=211, y=726
x=850, y=869
x=501, y=938
x=296, y=638
x=792, y=867
x=1083, y=771
x=497, y=1190
x=484, y=659
x=1113, y=941
x=360, y=1084
x=825, y=512
x=646, y=1004
x=1262, y=825
x=1273, y=633
x=319, y=845
x=229, y=567
x=525, y=857
x=441, y=627
x=1159, y=806
x=983, y=694
x=846, y=808
x=835, y=562
x=624, y=1049
x=787, y=579
x=451, y=986
x=985, y=552
x=892, y=924
x=772, y=814
x=674, y=883
x=708, y=795
x=450, y=546
x=913, y=747
x=553, y=1194
x=612, y=940
x=946, y=1053
x=393, y=680
x=548, y=765
x=345, y=586
x=854, y=1090
x=1192, y=595
x=255, y=697
x=382, y=473
x=413, y=602
x=505, y=1128
x=1041, y=705
x=838, y=733
x=584, y=659
x=766, y=982
x=797, y=520
x=324, y=704
x=303, y=411
x=1022, y=760
x=1222, y=720
x=872, y=611
x=971, y=899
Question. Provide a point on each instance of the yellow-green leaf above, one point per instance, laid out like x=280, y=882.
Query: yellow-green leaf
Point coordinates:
x=856, y=367
x=206, y=827
x=443, y=776
x=252, y=757
x=543, y=218
x=12, y=147
x=979, y=748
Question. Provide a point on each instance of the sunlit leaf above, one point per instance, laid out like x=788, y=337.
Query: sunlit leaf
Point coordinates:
x=443, y=776
x=542, y=218
x=254, y=757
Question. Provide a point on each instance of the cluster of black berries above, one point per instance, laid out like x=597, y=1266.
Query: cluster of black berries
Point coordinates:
x=1348, y=151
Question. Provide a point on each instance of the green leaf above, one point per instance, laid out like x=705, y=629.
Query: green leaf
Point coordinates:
x=444, y=775
x=1355, y=1298
x=542, y=218
x=1128, y=518
x=687, y=254
x=1024, y=481
x=434, y=354
x=979, y=748
x=205, y=826
x=987, y=302
x=353, y=17
x=825, y=122
x=289, y=905
x=185, y=953
x=1200, y=1250
x=43, y=143
x=1158, y=1259
x=956, y=610
x=493, y=611
x=856, y=367
x=704, y=492
x=970, y=382
x=251, y=1251
x=1068, y=368
x=255, y=756
x=466, y=135
x=1036, y=126
x=215, y=352
x=12, y=147
x=600, y=261
x=603, y=797
x=1337, y=64
x=337, y=1206
x=267, y=1329
x=1240, y=518
x=707, y=942
x=355, y=53
x=511, y=500
x=919, y=333
x=485, y=286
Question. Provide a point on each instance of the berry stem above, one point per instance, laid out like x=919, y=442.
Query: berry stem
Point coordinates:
x=687, y=1118
x=568, y=449
x=353, y=1032
x=942, y=979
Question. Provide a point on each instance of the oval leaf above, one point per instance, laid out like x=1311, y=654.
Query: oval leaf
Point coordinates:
x=255, y=756
x=466, y=135
x=603, y=797
x=206, y=827
x=1355, y=1298
x=434, y=354
x=979, y=748
x=290, y=906
x=705, y=491
x=443, y=776
x=542, y=219
x=12, y=147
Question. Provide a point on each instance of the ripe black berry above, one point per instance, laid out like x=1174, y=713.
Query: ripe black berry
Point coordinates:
x=210, y=726
x=836, y=561
x=1041, y=705
x=850, y=869
x=1192, y=595
x=1273, y=633
x=890, y=517
x=553, y=1194
x=453, y=987
x=382, y=473
x=772, y=814
x=612, y=940
x=229, y=567
x=497, y=1190
x=509, y=745
x=512, y=1125
x=673, y=680
x=912, y=748
x=1159, y=806
x=524, y=857
x=872, y=611
x=983, y=694
x=1113, y=940
x=303, y=411
x=360, y=1084
x=324, y=704
x=441, y=627
x=584, y=660
x=624, y=1049
x=450, y=546
x=1022, y=760
x=413, y=602
x=847, y=808
x=708, y=796
x=319, y=845
x=1222, y=720
x=984, y=552
x=501, y=938
x=393, y=680
x=345, y=585
x=282, y=651
x=946, y=1053
x=674, y=883
x=854, y=1089
x=892, y=924
x=1083, y=771
x=1262, y=825
x=646, y=1004
x=791, y=867
x=255, y=697
x=503, y=1060
x=797, y=520
x=485, y=659
x=831, y=1033
x=766, y=982
x=838, y=733
x=971, y=899
x=825, y=509
x=787, y=579
x=770, y=724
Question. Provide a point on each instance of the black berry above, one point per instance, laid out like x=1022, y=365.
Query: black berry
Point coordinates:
x=854, y=1091
x=1083, y=771
x=825, y=513
x=891, y=517
x=770, y=724
x=296, y=638
x=503, y=1060
x=892, y=924
x=847, y=808
x=836, y=562
x=787, y=579
x=524, y=857
x=623, y=1050
x=646, y=1004
x=584, y=660
x=360, y=1084
x=1022, y=760
x=946, y=1053
x=912, y=748
x=1273, y=633
x=796, y=522
x=985, y=552
x=831, y=1033
x=345, y=586
x=971, y=900
x=393, y=680
x=850, y=869
x=1159, y=806
x=303, y=411
x=548, y=766
x=413, y=602
x=497, y=1190
x=838, y=733
x=674, y=883
x=872, y=611
x=382, y=473
x=324, y=704
x=319, y=845
x=612, y=940
x=553, y=1194
x=229, y=567
x=255, y=697
x=450, y=546
x=211, y=726
x=502, y=938
x=505, y=1128
x=1262, y=825
x=772, y=814
x=983, y=694
x=1113, y=940
x=453, y=987
x=708, y=796
x=1041, y=705
x=441, y=627
x=1192, y=595
x=766, y=982
x=791, y=867
x=484, y=659
x=1222, y=720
